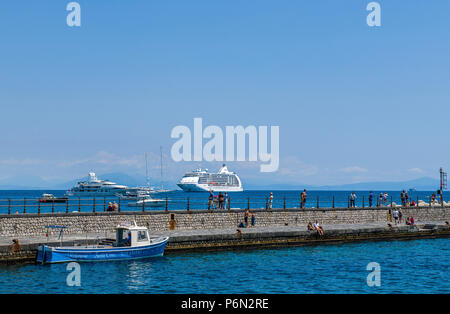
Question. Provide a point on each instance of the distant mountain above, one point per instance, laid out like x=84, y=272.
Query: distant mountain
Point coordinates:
x=420, y=184
x=37, y=183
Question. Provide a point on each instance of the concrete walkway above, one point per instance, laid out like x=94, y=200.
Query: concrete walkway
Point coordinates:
x=204, y=234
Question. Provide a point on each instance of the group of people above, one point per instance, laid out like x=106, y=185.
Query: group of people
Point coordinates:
x=398, y=217
x=383, y=199
x=404, y=198
x=220, y=201
x=112, y=207
x=316, y=226
x=247, y=215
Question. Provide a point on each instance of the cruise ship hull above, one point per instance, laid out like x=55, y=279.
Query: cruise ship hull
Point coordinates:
x=189, y=187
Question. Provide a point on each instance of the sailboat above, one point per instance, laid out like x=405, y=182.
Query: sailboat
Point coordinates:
x=144, y=198
x=161, y=190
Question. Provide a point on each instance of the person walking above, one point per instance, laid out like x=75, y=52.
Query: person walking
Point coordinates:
x=395, y=213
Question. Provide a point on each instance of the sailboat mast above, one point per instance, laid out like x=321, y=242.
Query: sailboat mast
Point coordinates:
x=146, y=170
x=162, y=185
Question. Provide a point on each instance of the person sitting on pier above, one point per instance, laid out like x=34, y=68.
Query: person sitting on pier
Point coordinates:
x=115, y=206
x=310, y=226
x=15, y=247
x=433, y=198
x=408, y=221
x=110, y=207
x=318, y=228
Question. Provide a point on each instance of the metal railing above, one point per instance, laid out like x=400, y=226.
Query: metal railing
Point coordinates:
x=173, y=203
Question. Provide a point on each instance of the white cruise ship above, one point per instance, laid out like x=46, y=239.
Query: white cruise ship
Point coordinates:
x=202, y=180
x=97, y=188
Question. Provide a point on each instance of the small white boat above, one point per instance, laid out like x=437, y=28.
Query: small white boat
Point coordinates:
x=148, y=202
x=133, y=195
x=50, y=198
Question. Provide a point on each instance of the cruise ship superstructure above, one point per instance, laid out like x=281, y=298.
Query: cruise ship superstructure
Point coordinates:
x=201, y=180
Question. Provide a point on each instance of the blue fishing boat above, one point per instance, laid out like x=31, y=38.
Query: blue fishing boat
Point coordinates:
x=132, y=242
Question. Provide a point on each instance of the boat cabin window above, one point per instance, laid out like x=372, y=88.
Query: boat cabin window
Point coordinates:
x=122, y=237
x=142, y=236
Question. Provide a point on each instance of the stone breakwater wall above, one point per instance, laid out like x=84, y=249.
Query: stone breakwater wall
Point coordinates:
x=22, y=225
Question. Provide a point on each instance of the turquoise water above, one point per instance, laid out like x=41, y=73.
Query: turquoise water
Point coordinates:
x=19, y=201
x=418, y=266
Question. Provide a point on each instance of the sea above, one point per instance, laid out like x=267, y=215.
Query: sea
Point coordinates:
x=412, y=266
x=407, y=267
x=26, y=201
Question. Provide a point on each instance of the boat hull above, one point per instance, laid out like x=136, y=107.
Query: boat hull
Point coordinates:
x=48, y=254
x=154, y=203
x=55, y=200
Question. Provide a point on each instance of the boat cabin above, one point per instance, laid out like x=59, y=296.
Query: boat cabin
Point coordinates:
x=128, y=235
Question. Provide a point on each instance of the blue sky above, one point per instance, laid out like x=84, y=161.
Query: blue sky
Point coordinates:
x=353, y=103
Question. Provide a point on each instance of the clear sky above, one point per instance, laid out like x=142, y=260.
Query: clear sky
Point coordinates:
x=353, y=103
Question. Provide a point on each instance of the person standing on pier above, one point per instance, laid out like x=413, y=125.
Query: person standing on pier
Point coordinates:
x=210, y=199
x=270, y=201
x=303, y=199
x=385, y=198
x=352, y=199
x=226, y=200
x=221, y=199
x=370, y=198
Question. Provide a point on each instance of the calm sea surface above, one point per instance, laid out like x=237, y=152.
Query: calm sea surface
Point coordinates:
x=18, y=201
x=417, y=266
